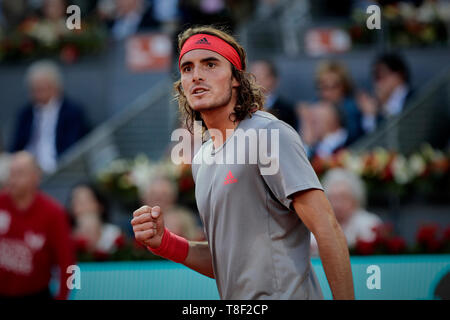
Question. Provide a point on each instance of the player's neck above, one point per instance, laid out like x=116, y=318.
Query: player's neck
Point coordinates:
x=220, y=119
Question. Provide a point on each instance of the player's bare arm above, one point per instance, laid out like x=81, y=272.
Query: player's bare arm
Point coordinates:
x=315, y=211
x=199, y=258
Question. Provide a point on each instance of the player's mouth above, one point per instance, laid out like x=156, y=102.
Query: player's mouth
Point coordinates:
x=199, y=91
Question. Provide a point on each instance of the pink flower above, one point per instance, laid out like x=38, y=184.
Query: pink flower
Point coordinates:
x=396, y=245
x=434, y=245
x=447, y=234
x=427, y=236
x=365, y=247
x=81, y=244
x=383, y=232
x=69, y=54
x=100, y=255
x=427, y=233
x=120, y=241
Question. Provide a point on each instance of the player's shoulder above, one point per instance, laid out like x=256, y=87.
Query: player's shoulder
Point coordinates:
x=206, y=145
x=265, y=120
x=262, y=118
x=205, y=148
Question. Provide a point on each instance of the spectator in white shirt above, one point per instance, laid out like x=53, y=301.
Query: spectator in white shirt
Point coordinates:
x=347, y=195
x=50, y=123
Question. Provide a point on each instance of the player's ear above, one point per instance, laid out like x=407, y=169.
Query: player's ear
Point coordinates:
x=235, y=83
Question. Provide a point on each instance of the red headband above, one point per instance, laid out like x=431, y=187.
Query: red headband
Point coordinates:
x=213, y=43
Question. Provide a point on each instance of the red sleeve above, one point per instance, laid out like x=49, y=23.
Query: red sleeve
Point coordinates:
x=62, y=249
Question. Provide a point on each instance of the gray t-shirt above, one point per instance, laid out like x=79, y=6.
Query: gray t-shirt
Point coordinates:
x=259, y=245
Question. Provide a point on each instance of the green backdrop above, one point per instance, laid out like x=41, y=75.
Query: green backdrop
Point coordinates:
x=400, y=277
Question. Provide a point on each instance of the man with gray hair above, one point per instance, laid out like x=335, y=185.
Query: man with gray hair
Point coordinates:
x=50, y=123
x=347, y=195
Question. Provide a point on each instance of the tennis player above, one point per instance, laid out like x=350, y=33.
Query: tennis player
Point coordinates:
x=257, y=225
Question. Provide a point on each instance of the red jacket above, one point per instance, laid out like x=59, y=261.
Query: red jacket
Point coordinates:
x=32, y=242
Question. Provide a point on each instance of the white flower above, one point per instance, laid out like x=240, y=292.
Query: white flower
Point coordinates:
x=354, y=164
x=381, y=159
x=48, y=32
x=443, y=11
x=417, y=165
x=407, y=10
x=426, y=12
x=400, y=170
x=118, y=166
x=142, y=172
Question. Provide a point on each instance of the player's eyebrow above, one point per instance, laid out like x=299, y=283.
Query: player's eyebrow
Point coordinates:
x=208, y=59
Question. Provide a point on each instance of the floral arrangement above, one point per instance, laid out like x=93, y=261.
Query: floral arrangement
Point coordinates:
x=385, y=173
x=430, y=238
x=125, y=249
x=40, y=38
x=127, y=179
x=424, y=174
x=406, y=24
x=124, y=180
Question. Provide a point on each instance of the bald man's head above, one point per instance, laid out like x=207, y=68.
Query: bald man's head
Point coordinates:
x=266, y=75
x=24, y=174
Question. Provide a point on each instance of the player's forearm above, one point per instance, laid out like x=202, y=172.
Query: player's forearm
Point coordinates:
x=315, y=211
x=335, y=260
x=199, y=258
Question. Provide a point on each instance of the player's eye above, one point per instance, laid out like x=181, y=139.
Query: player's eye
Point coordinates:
x=186, y=69
x=211, y=64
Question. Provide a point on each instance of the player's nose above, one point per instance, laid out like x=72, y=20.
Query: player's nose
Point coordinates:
x=197, y=74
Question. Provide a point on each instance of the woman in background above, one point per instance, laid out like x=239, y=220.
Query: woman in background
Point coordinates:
x=91, y=229
x=335, y=88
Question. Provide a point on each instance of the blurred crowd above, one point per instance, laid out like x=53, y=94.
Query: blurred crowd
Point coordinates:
x=342, y=113
x=126, y=17
x=39, y=235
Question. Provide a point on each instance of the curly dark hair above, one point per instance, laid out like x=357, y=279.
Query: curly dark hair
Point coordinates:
x=250, y=97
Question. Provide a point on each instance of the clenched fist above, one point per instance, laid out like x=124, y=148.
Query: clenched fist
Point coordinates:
x=148, y=226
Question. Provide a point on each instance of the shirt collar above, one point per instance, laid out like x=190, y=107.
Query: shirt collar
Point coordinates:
x=53, y=105
x=395, y=103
